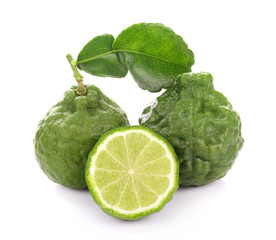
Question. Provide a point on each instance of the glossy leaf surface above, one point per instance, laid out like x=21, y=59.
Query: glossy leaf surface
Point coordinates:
x=97, y=58
x=153, y=54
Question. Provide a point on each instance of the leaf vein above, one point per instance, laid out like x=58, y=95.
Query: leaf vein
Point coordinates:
x=128, y=51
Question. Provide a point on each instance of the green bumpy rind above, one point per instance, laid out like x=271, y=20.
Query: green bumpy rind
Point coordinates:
x=133, y=216
x=200, y=124
x=69, y=131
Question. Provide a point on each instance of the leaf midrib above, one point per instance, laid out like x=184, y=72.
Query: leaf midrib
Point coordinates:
x=127, y=51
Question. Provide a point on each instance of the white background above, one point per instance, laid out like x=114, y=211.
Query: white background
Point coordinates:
x=234, y=40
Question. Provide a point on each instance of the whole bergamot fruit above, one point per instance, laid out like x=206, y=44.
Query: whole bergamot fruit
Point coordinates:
x=70, y=130
x=200, y=124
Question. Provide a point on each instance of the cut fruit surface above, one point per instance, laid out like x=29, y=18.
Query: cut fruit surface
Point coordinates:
x=132, y=172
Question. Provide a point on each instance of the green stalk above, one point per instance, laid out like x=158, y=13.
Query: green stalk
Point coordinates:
x=81, y=90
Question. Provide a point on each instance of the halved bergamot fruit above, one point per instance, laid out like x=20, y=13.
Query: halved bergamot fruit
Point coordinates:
x=132, y=172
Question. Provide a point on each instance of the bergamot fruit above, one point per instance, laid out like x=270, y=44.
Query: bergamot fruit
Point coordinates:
x=201, y=125
x=71, y=128
x=132, y=172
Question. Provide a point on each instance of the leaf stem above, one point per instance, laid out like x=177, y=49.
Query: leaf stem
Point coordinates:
x=81, y=90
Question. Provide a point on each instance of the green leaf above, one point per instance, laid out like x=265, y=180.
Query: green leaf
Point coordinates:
x=153, y=54
x=97, y=58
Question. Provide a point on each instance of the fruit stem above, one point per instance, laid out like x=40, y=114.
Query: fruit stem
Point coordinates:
x=81, y=90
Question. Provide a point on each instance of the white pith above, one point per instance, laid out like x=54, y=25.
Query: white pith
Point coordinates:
x=170, y=176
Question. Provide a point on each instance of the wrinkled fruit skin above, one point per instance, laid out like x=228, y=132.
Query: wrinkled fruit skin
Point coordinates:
x=69, y=131
x=200, y=124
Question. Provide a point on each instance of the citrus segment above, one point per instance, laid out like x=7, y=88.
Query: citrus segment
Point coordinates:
x=145, y=195
x=132, y=172
x=108, y=162
x=136, y=142
x=151, y=151
x=159, y=166
x=117, y=148
x=158, y=183
x=112, y=192
x=128, y=200
x=104, y=177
